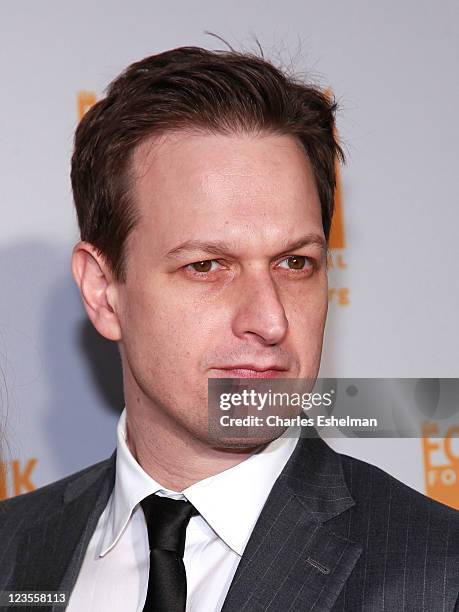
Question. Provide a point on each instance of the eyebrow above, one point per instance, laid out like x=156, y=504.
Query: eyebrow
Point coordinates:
x=220, y=247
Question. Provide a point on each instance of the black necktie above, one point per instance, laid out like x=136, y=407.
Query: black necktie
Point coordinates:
x=167, y=520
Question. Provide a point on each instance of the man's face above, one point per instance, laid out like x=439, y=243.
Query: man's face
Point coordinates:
x=226, y=269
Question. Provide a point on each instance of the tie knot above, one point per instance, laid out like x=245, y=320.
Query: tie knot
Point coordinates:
x=167, y=520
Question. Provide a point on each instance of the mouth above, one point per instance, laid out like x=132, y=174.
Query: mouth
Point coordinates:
x=250, y=371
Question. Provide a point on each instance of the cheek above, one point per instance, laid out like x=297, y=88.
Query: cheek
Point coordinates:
x=306, y=327
x=164, y=324
x=307, y=308
x=306, y=315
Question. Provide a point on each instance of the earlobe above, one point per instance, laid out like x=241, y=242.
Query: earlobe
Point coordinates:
x=94, y=279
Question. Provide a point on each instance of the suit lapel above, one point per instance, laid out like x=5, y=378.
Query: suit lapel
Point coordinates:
x=53, y=549
x=293, y=559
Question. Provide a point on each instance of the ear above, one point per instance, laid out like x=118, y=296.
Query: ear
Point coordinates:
x=98, y=289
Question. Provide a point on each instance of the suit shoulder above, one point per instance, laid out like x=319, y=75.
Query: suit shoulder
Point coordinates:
x=409, y=543
x=364, y=479
x=51, y=493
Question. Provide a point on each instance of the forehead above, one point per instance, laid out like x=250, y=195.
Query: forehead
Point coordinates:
x=258, y=185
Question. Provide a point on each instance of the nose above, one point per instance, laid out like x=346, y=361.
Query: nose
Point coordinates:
x=259, y=310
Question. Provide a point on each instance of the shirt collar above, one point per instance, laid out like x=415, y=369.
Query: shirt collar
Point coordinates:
x=230, y=502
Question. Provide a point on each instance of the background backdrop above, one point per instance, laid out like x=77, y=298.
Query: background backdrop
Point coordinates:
x=394, y=266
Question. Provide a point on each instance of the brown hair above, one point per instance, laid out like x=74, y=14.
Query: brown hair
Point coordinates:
x=190, y=87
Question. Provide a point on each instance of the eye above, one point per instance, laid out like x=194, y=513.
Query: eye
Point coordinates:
x=296, y=262
x=202, y=266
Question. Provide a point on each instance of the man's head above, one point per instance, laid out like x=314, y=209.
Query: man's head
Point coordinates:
x=204, y=187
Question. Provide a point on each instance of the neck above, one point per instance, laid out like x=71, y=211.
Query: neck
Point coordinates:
x=170, y=453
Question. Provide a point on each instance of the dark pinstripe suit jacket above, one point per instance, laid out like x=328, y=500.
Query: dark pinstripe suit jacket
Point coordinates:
x=335, y=534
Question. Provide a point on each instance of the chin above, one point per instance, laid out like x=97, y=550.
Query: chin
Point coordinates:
x=244, y=442
x=239, y=444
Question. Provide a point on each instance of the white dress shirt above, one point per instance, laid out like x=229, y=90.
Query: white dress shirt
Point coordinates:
x=114, y=573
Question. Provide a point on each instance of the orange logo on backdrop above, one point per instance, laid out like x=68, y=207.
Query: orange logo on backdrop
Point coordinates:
x=336, y=261
x=337, y=242
x=441, y=464
x=85, y=99
x=19, y=480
